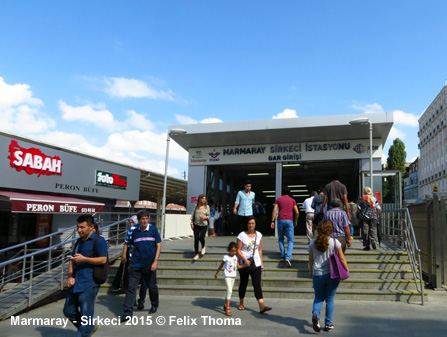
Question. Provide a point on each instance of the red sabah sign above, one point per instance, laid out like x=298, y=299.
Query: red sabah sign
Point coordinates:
x=33, y=160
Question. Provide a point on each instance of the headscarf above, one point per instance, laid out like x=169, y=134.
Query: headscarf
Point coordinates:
x=134, y=219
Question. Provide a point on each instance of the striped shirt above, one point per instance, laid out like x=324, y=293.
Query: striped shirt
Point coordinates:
x=339, y=220
x=129, y=238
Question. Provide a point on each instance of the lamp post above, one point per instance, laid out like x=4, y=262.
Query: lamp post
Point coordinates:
x=163, y=210
x=365, y=120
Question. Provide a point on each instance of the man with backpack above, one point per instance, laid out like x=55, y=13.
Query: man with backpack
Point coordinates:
x=90, y=252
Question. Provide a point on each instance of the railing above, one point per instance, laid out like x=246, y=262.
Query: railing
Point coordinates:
x=30, y=269
x=397, y=228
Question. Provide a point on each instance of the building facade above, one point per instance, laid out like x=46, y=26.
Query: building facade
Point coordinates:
x=411, y=184
x=433, y=146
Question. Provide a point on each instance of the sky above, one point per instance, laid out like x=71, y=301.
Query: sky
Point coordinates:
x=108, y=78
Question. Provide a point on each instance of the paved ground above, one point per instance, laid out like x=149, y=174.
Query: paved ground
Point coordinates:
x=288, y=317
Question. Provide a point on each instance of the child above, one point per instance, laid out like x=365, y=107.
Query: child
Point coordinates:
x=231, y=265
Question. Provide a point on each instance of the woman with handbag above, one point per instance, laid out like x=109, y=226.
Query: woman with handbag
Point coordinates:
x=249, y=250
x=324, y=286
x=199, y=224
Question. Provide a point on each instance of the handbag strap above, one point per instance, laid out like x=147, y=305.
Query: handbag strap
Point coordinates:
x=254, y=248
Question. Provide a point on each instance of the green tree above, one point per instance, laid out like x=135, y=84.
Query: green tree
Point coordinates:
x=397, y=156
x=396, y=161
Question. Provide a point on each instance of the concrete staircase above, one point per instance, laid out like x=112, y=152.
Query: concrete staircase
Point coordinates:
x=384, y=275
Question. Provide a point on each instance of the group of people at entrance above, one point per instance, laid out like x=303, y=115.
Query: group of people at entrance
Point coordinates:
x=143, y=246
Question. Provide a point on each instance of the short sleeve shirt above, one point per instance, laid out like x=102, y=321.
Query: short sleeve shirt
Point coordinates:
x=321, y=259
x=248, y=244
x=339, y=220
x=285, y=205
x=230, y=265
x=83, y=271
x=145, y=242
x=334, y=190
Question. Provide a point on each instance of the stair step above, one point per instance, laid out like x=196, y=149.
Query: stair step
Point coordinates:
x=294, y=293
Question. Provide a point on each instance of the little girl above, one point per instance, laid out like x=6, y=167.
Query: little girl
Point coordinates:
x=231, y=266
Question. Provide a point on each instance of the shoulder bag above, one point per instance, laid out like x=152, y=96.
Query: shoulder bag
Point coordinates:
x=338, y=272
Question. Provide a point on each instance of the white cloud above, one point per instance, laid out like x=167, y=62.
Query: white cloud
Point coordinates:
x=16, y=94
x=210, y=120
x=138, y=121
x=98, y=115
x=405, y=118
x=287, y=113
x=144, y=150
x=126, y=87
x=145, y=142
x=395, y=133
x=369, y=108
x=101, y=118
x=19, y=110
x=400, y=117
x=185, y=119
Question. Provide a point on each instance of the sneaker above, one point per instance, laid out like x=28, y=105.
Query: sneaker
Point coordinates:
x=95, y=328
x=116, y=290
x=316, y=323
x=203, y=251
x=196, y=257
x=283, y=259
x=328, y=328
x=289, y=264
x=366, y=248
x=140, y=306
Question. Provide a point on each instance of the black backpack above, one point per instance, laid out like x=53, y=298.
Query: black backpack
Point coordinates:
x=100, y=272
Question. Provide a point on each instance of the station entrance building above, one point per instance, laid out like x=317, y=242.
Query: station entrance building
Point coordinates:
x=298, y=152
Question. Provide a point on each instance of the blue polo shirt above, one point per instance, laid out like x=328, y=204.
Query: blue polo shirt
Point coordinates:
x=83, y=272
x=145, y=243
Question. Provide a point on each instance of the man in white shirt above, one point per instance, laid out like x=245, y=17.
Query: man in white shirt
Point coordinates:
x=309, y=215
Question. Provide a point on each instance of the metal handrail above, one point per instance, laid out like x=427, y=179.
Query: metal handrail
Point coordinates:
x=28, y=272
x=403, y=234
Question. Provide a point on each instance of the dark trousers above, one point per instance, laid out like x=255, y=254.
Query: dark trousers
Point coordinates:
x=135, y=275
x=122, y=276
x=199, y=235
x=255, y=280
x=218, y=225
x=243, y=220
x=370, y=233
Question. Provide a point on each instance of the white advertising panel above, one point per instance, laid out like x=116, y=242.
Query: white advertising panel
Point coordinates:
x=290, y=152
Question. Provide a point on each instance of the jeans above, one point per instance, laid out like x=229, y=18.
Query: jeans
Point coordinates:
x=325, y=289
x=78, y=305
x=285, y=227
x=149, y=278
